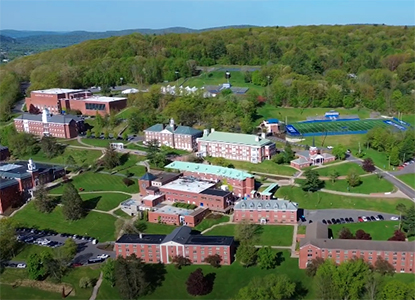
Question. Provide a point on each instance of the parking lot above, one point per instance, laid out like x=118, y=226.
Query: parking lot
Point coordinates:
x=337, y=214
x=87, y=247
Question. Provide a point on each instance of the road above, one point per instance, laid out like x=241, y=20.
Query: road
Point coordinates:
x=325, y=214
x=408, y=191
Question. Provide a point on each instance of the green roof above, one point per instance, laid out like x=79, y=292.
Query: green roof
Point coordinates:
x=209, y=169
x=235, y=138
x=187, y=130
x=156, y=128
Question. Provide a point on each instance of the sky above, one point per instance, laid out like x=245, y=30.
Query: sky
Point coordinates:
x=97, y=15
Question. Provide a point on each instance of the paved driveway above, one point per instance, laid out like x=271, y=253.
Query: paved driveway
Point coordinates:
x=325, y=214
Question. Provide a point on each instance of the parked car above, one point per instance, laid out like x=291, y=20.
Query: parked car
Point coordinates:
x=377, y=218
x=342, y=220
x=360, y=219
x=395, y=218
x=329, y=222
x=372, y=218
x=338, y=221
x=381, y=217
x=351, y=220
x=21, y=266
x=324, y=221
x=365, y=219
x=94, y=260
x=333, y=220
x=103, y=256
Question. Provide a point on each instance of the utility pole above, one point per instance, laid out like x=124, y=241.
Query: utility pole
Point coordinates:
x=177, y=78
x=268, y=77
x=359, y=148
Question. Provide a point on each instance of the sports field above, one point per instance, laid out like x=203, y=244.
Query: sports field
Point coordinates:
x=316, y=128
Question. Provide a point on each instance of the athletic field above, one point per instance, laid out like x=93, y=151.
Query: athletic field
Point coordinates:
x=316, y=128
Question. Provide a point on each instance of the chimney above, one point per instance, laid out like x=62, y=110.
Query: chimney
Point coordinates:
x=257, y=139
x=140, y=235
x=263, y=135
x=205, y=132
x=212, y=130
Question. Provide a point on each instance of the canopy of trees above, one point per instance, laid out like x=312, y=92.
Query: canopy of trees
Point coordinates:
x=317, y=66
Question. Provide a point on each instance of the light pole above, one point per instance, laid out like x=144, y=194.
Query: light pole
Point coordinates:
x=268, y=77
x=177, y=78
x=227, y=76
x=121, y=79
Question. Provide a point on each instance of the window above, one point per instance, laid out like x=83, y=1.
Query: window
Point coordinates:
x=94, y=106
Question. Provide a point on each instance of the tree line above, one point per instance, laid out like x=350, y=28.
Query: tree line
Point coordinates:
x=309, y=66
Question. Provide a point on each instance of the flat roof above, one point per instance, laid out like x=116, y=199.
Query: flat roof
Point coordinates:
x=171, y=210
x=209, y=169
x=56, y=91
x=165, y=177
x=188, y=184
x=145, y=239
x=101, y=99
x=151, y=197
x=55, y=118
x=259, y=204
x=18, y=169
x=235, y=138
x=215, y=192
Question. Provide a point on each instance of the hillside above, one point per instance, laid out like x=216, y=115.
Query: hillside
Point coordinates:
x=308, y=66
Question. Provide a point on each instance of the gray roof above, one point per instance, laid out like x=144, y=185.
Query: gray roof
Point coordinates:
x=145, y=239
x=258, y=204
x=317, y=235
x=3, y=147
x=305, y=153
x=62, y=119
x=179, y=235
x=301, y=160
x=18, y=169
x=148, y=176
x=7, y=182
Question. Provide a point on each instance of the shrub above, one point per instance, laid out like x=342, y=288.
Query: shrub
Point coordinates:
x=127, y=181
x=181, y=261
x=86, y=282
x=213, y=260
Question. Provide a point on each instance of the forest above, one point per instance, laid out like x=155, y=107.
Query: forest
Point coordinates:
x=371, y=66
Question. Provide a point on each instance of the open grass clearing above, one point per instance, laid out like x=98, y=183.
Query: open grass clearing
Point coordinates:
x=103, y=201
x=128, y=162
x=211, y=220
x=301, y=229
x=409, y=179
x=301, y=114
x=72, y=142
x=370, y=184
x=343, y=169
x=91, y=182
x=81, y=156
x=321, y=200
x=119, y=212
x=94, y=224
x=379, y=230
x=98, y=142
x=272, y=235
x=28, y=249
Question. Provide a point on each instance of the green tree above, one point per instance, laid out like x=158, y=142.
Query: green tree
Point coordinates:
x=353, y=178
x=394, y=156
x=106, y=134
x=197, y=284
x=395, y=290
x=22, y=144
x=288, y=153
x=125, y=136
x=70, y=161
x=8, y=239
x=43, y=201
x=88, y=133
x=339, y=152
x=35, y=267
x=99, y=120
x=246, y=254
x=408, y=223
x=130, y=277
x=50, y=146
x=312, y=181
x=111, y=158
x=246, y=231
x=108, y=271
x=69, y=249
x=266, y=258
x=72, y=203
x=273, y=286
x=334, y=175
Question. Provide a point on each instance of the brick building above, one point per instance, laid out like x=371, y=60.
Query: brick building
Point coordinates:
x=19, y=178
x=317, y=243
x=4, y=153
x=171, y=135
x=270, y=126
x=239, y=182
x=177, y=188
x=167, y=214
x=266, y=211
x=236, y=146
x=311, y=157
x=58, y=101
x=46, y=124
x=154, y=248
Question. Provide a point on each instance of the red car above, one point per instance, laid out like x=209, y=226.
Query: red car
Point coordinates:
x=360, y=219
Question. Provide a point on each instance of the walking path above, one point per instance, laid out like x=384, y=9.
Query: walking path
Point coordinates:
x=96, y=287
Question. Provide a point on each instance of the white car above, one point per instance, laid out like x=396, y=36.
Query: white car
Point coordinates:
x=329, y=147
x=365, y=219
x=21, y=266
x=377, y=218
x=103, y=256
x=395, y=218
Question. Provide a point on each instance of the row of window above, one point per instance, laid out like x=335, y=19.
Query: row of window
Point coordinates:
x=94, y=106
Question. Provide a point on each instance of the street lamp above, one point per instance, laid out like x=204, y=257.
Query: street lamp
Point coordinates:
x=121, y=79
x=227, y=76
x=268, y=77
x=177, y=78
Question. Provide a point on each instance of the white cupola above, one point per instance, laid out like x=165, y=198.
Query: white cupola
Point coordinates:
x=31, y=166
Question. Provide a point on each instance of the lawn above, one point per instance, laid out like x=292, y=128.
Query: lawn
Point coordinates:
x=409, y=179
x=155, y=228
x=97, y=225
x=128, y=162
x=301, y=229
x=321, y=200
x=343, y=169
x=124, y=114
x=379, y=231
x=346, y=140
x=370, y=184
x=301, y=114
x=409, y=119
x=81, y=156
x=267, y=166
x=137, y=146
x=380, y=159
x=100, y=143
x=72, y=142
x=91, y=181
x=209, y=221
x=104, y=201
x=272, y=235
x=23, y=292
x=29, y=249
x=119, y=212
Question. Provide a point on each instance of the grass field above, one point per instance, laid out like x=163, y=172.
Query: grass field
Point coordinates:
x=91, y=182
x=343, y=169
x=156, y=228
x=267, y=166
x=81, y=156
x=346, y=140
x=103, y=201
x=409, y=179
x=21, y=292
x=321, y=200
x=122, y=214
x=301, y=114
x=409, y=119
x=209, y=222
x=29, y=249
x=99, y=142
x=379, y=231
x=272, y=235
x=72, y=142
x=339, y=126
x=97, y=225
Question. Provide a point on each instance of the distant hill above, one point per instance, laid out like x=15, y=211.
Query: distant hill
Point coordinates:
x=6, y=39
x=37, y=41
